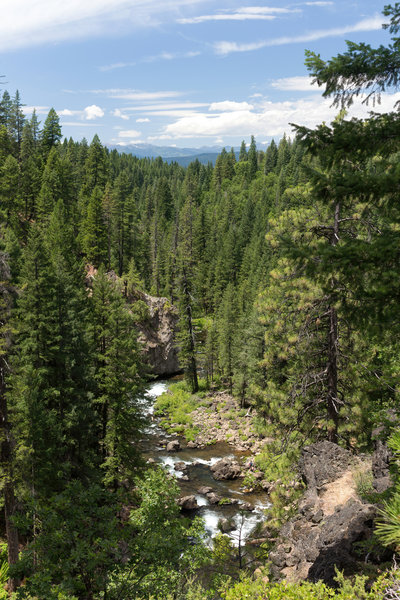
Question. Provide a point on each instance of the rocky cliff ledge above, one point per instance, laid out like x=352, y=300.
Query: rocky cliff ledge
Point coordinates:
x=331, y=518
x=157, y=334
x=156, y=321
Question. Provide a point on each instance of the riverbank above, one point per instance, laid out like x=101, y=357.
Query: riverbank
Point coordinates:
x=209, y=417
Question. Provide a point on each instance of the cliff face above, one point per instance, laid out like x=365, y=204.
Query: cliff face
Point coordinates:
x=157, y=334
x=156, y=321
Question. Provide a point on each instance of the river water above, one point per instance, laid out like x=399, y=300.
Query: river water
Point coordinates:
x=198, y=463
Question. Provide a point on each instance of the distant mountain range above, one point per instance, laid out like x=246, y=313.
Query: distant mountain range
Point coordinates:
x=183, y=156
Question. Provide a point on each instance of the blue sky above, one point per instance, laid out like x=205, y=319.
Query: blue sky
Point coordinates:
x=178, y=72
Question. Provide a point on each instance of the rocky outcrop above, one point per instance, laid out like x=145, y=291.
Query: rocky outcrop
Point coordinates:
x=188, y=503
x=173, y=446
x=156, y=321
x=226, y=468
x=157, y=334
x=331, y=518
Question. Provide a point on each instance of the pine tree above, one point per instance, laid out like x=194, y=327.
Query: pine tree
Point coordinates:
x=51, y=133
x=7, y=464
x=227, y=316
x=243, y=152
x=93, y=233
x=118, y=375
x=52, y=412
x=252, y=159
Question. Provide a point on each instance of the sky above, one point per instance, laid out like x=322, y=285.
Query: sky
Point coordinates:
x=186, y=73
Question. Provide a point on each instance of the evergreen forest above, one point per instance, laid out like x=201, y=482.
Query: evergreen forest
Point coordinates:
x=283, y=268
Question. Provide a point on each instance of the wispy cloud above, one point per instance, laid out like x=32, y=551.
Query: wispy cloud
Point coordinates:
x=143, y=120
x=318, y=3
x=81, y=124
x=159, y=106
x=129, y=133
x=137, y=95
x=118, y=113
x=368, y=24
x=295, y=84
x=149, y=59
x=249, y=13
x=40, y=110
x=26, y=23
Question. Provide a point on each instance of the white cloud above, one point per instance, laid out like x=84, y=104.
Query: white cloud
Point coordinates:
x=92, y=112
x=267, y=119
x=66, y=112
x=295, y=84
x=118, y=113
x=248, y=13
x=129, y=133
x=229, y=105
x=317, y=3
x=26, y=23
x=146, y=120
x=368, y=24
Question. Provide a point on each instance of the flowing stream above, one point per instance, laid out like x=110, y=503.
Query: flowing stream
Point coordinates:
x=198, y=463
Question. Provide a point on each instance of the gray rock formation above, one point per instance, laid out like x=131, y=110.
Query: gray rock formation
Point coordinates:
x=226, y=469
x=322, y=535
x=173, y=446
x=188, y=503
x=157, y=333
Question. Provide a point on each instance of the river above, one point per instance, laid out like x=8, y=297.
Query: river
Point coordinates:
x=198, y=463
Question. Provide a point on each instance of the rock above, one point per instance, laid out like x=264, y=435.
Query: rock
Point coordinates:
x=247, y=506
x=380, y=466
x=226, y=469
x=173, y=446
x=318, y=541
x=184, y=478
x=213, y=498
x=322, y=463
x=266, y=485
x=204, y=489
x=180, y=466
x=226, y=525
x=228, y=501
x=150, y=461
x=188, y=503
x=157, y=333
x=191, y=445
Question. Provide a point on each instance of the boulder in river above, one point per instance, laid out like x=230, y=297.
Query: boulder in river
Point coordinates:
x=226, y=525
x=204, y=489
x=213, y=498
x=226, y=468
x=180, y=466
x=188, y=503
x=173, y=446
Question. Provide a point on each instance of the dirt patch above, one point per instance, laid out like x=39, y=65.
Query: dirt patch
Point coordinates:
x=343, y=489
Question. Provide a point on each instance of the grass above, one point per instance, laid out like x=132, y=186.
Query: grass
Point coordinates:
x=176, y=405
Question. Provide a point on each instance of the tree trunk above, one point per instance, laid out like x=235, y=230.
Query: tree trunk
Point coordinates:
x=333, y=345
x=8, y=490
